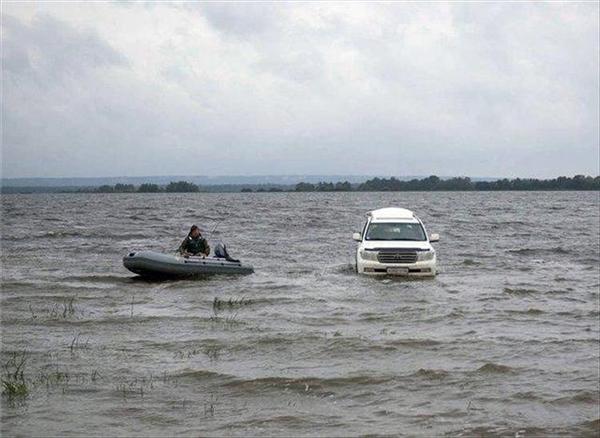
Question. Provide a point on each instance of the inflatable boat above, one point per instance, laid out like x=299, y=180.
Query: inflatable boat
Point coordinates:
x=155, y=264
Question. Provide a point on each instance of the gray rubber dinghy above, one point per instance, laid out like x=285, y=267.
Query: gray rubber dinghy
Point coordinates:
x=155, y=264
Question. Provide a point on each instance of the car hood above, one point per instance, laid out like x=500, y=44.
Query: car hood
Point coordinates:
x=372, y=244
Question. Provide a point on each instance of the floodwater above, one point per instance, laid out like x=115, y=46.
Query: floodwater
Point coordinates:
x=504, y=341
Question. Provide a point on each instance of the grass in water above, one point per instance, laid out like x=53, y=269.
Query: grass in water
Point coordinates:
x=14, y=389
x=76, y=345
x=230, y=304
x=219, y=304
x=227, y=321
x=63, y=310
x=14, y=384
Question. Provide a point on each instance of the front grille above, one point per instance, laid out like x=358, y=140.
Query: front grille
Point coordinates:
x=397, y=255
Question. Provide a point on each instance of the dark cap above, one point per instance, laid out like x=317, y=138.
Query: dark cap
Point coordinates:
x=195, y=227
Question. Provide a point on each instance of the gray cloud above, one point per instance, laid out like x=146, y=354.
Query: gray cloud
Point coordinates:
x=49, y=50
x=205, y=88
x=242, y=19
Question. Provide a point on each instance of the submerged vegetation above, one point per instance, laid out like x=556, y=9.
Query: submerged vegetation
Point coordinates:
x=231, y=304
x=219, y=304
x=63, y=310
x=13, y=379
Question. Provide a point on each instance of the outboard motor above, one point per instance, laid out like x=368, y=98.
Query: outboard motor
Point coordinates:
x=221, y=252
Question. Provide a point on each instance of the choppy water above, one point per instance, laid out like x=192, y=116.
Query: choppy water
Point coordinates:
x=503, y=342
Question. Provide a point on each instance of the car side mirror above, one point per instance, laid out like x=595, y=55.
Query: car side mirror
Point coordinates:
x=357, y=237
x=435, y=237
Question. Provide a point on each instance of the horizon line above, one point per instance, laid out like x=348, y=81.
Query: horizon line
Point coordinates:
x=310, y=175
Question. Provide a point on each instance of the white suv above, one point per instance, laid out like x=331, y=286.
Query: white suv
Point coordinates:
x=394, y=242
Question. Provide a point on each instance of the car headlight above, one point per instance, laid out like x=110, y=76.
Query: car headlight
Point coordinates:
x=368, y=255
x=426, y=255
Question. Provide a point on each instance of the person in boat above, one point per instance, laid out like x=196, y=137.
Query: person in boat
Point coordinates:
x=194, y=244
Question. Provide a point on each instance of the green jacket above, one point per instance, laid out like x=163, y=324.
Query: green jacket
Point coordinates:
x=195, y=246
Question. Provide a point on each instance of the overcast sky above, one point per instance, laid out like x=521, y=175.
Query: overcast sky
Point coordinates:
x=132, y=89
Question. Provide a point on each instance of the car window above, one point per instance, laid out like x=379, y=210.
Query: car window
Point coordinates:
x=396, y=231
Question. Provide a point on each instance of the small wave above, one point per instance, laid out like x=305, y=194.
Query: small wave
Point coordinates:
x=59, y=234
x=569, y=313
x=431, y=374
x=346, y=268
x=338, y=345
x=589, y=261
x=455, y=314
x=97, y=278
x=530, y=396
x=129, y=236
x=122, y=411
x=122, y=319
x=470, y=262
x=414, y=343
x=559, y=250
x=537, y=251
x=273, y=341
x=523, y=251
x=494, y=368
x=493, y=298
x=592, y=427
x=288, y=421
x=588, y=397
x=52, y=286
x=502, y=431
x=14, y=238
x=201, y=375
x=519, y=291
x=575, y=300
x=137, y=207
x=82, y=391
x=299, y=271
x=46, y=235
x=308, y=384
x=512, y=223
x=471, y=255
x=530, y=311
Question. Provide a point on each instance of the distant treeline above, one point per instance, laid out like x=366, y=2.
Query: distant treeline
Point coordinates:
x=172, y=187
x=188, y=187
x=431, y=183
x=179, y=187
x=434, y=183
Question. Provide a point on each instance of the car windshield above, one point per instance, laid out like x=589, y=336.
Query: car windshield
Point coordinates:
x=395, y=231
